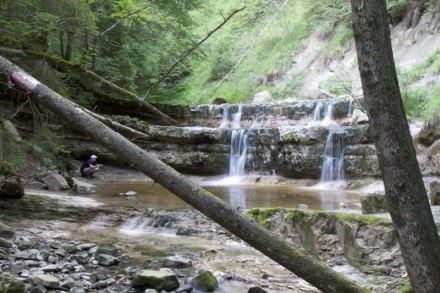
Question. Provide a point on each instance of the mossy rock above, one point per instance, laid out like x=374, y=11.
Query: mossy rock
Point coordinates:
x=10, y=285
x=205, y=282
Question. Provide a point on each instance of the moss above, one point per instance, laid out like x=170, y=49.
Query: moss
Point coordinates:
x=405, y=287
x=363, y=219
x=262, y=215
x=205, y=282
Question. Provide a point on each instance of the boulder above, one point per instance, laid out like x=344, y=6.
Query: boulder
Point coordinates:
x=374, y=203
x=11, y=129
x=81, y=187
x=262, y=97
x=159, y=280
x=205, y=282
x=434, y=192
x=48, y=281
x=106, y=248
x=431, y=131
x=55, y=182
x=11, y=188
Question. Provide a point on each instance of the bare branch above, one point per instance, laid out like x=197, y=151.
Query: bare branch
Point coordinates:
x=193, y=48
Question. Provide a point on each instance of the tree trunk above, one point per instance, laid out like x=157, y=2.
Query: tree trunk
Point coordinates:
x=303, y=265
x=405, y=192
x=69, y=46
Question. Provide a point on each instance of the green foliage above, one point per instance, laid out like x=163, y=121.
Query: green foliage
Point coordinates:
x=261, y=216
x=397, y=9
x=12, y=153
x=405, y=287
x=47, y=146
x=421, y=100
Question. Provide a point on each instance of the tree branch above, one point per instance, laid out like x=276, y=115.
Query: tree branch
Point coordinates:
x=192, y=49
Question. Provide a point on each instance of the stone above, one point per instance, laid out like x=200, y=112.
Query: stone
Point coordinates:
x=107, y=260
x=6, y=232
x=5, y=243
x=106, y=248
x=176, y=262
x=431, y=131
x=12, y=130
x=434, y=192
x=256, y=289
x=159, y=280
x=205, y=282
x=374, y=203
x=48, y=281
x=262, y=97
x=11, y=188
x=81, y=187
x=55, y=182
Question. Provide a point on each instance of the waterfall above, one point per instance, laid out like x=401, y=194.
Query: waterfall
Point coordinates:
x=333, y=164
x=239, y=146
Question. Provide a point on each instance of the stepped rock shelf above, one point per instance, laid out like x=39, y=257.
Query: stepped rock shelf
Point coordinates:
x=282, y=138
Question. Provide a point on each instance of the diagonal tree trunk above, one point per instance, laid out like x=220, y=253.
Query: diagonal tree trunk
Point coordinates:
x=404, y=188
x=303, y=265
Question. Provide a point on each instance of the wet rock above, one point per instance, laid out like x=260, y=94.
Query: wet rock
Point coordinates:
x=48, y=281
x=38, y=289
x=55, y=182
x=256, y=290
x=106, y=248
x=129, y=194
x=159, y=280
x=84, y=188
x=176, y=262
x=205, y=282
x=11, y=188
x=85, y=246
x=374, y=203
x=184, y=288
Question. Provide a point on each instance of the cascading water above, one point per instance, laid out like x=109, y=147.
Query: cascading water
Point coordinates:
x=333, y=163
x=239, y=143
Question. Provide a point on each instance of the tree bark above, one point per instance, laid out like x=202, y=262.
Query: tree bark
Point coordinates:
x=303, y=265
x=405, y=192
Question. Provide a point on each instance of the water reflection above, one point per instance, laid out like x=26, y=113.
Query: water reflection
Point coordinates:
x=244, y=196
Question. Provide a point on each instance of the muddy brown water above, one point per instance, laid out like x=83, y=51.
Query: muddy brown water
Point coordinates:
x=245, y=196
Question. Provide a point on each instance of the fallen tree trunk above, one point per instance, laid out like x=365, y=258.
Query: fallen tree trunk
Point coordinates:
x=110, y=98
x=303, y=265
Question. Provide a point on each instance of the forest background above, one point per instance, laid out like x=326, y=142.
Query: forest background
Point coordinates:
x=196, y=52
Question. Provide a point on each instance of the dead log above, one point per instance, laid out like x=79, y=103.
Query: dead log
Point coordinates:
x=303, y=265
